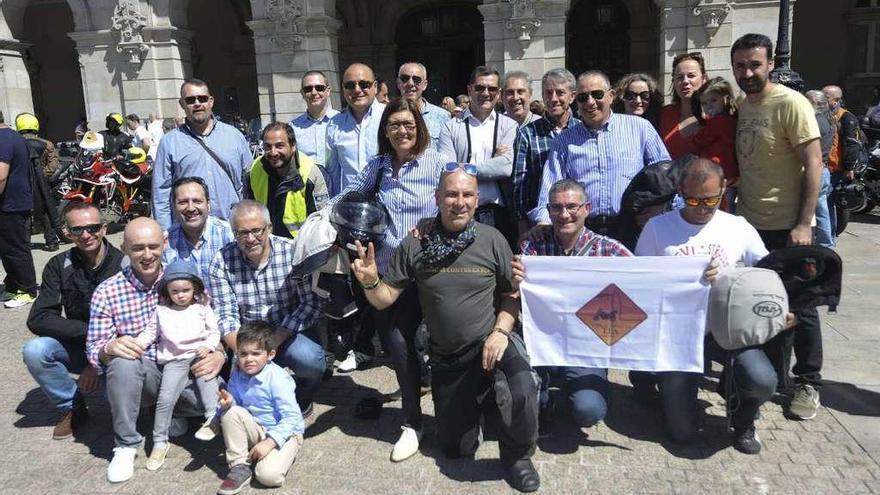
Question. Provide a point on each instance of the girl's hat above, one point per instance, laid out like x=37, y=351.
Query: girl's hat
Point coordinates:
x=181, y=270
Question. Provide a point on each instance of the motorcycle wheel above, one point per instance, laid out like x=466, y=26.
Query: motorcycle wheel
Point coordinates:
x=842, y=219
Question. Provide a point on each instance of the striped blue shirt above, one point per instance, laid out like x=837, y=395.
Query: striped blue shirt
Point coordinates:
x=434, y=117
x=217, y=233
x=311, y=135
x=531, y=148
x=603, y=161
x=409, y=197
x=351, y=144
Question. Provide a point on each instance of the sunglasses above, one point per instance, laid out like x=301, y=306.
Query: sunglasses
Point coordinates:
x=468, y=168
x=404, y=78
x=364, y=85
x=632, y=95
x=191, y=100
x=320, y=88
x=708, y=202
x=596, y=94
x=479, y=88
x=82, y=229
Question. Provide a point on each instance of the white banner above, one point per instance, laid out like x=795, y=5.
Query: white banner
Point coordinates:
x=643, y=313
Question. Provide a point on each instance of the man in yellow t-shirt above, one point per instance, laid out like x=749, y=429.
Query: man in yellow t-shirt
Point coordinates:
x=780, y=162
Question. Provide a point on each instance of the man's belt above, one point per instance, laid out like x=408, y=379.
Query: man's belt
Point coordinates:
x=603, y=220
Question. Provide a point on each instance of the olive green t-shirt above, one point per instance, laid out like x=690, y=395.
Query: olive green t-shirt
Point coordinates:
x=459, y=301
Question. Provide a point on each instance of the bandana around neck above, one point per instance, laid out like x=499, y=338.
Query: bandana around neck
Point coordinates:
x=440, y=248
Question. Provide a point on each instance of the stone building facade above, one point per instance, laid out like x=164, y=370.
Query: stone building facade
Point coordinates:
x=67, y=59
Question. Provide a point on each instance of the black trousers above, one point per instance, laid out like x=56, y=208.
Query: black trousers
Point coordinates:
x=502, y=219
x=45, y=209
x=460, y=387
x=805, y=338
x=15, y=252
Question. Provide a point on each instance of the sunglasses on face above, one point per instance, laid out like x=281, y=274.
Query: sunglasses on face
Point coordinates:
x=708, y=202
x=596, y=94
x=632, y=95
x=191, y=100
x=320, y=88
x=364, y=85
x=468, y=168
x=79, y=230
x=479, y=88
x=404, y=78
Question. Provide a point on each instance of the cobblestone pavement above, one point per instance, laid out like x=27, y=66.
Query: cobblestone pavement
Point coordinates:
x=628, y=453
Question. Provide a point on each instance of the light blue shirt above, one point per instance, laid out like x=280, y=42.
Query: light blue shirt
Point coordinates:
x=271, y=399
x=434, y=117
x=350, y=145
x=311, y=135
x=603, y=161
x=217, y=233
x=180, y=155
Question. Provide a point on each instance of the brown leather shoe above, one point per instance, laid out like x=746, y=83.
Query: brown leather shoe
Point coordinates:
x=70, y=420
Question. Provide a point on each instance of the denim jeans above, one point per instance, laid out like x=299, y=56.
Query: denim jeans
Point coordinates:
x=306, y=358
x=754, y=383
x=836, y=178
x=824, y=230
x=50, y=362
x=678, y=396
x=587, y=389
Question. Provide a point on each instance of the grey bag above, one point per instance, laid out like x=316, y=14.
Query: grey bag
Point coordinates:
x=747, y=307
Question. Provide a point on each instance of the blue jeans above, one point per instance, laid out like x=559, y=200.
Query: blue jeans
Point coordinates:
x=587, y=390
x=824, y=230
x=306, y=358
x=51, y=362
x=678, y=396
x=754, y=383
x=836, y=178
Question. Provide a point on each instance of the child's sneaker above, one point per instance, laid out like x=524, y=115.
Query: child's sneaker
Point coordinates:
x=239, y=476
x=157, y=456
x=209, y=430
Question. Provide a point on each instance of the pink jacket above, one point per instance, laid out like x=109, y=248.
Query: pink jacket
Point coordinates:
x=179, y=333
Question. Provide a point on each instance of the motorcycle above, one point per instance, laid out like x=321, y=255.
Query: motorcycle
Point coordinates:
x=861, y=194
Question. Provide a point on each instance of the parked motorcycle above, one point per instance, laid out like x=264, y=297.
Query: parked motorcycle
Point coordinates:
x=861, y=194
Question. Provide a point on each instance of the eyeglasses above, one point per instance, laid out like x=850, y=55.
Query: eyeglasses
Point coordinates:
x=468, y=168
x=320, y=88
x=364, y=85
x=244, y=234
x=632, y=95
x=571, y=208
x=191, y=100
x=596, y=94
x=479, y=88
x=408, y=125
x=404, y=78
x=708, y=202
x=79, y=230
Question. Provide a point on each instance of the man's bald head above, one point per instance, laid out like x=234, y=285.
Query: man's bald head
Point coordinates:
x=360, y=68
x=700, y=170
x=142, y=228
x=457, y=197
x=834, y=94
x=144, y=242
x=359, y=88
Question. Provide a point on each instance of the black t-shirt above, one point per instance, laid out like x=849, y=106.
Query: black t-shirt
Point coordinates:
x=460, y=301
x=18, y=194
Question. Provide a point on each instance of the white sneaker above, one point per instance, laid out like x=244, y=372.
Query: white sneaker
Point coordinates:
x=349, y=364
x=407, y=445
x=208, y=430
x=178, y=427
x=121, y=468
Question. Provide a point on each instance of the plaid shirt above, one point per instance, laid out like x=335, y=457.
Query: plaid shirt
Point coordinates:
x=121, y=305
x=217, y=234
x=242, y=291
x=530, y=152
x=546, y=245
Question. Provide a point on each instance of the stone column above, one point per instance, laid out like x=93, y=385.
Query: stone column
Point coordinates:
x=288, y=43
x=15, y=83
x=527, y=35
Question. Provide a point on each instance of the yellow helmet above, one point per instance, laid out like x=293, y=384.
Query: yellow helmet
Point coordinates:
x=116, y=117
x=135, y=155
x=27, y=122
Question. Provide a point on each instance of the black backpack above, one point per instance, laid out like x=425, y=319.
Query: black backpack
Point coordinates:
x=811, y=275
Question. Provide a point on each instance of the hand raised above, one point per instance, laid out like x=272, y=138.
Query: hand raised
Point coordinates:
x=364, y=267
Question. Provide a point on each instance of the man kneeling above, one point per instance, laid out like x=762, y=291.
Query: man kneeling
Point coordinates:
x=262, y=422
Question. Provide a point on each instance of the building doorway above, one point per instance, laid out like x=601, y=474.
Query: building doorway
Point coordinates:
x=597, y=37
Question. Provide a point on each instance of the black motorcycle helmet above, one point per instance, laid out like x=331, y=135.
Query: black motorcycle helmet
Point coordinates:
x=850, y=196
x=358, y=218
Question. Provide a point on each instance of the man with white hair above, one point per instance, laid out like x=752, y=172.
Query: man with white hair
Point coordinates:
x=516, y=95
x=412, y=81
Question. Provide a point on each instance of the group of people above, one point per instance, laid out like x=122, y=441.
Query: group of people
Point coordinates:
x=206, y=292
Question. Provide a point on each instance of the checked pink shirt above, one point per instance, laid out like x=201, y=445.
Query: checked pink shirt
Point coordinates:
x=121, y=305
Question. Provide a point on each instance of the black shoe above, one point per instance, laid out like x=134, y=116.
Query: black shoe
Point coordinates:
x=522, y=476
x=545, y=420
x=746, y=440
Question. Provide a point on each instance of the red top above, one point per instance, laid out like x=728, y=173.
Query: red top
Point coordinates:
x=676, y=144
x=714, y=141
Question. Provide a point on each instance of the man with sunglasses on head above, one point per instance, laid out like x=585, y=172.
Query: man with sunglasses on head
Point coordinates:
x=533, y=141
x=603, y=155
x=311, y=127
x=60, y=316
x=700, y=229
x=353, y=134
x=251, y=279
x=483, y=137
x=204, y=147
x=412, y=81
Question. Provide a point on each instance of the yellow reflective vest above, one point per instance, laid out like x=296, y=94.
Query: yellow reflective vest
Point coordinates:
x=295, y=210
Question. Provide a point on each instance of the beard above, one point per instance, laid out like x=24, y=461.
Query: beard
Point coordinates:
x=284, y=162
x=751, y=85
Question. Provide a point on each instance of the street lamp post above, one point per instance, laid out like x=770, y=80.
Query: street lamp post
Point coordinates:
x=783, y=73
